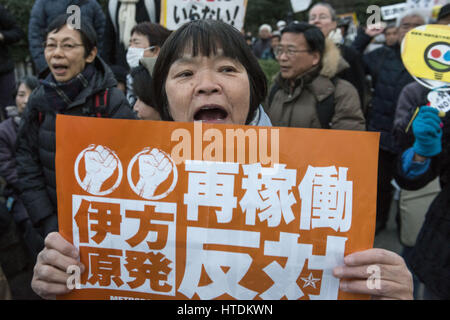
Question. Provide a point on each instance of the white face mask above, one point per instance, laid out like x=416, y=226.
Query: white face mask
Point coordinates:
x=134, y=55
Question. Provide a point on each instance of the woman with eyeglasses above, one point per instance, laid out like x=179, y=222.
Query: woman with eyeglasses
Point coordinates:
x=77, y=83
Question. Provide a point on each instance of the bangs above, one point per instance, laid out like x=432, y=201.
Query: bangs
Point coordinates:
x=207, y=38
x=197, y=40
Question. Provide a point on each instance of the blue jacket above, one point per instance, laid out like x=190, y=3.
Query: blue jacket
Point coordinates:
x=389, y=77
x=45, y=11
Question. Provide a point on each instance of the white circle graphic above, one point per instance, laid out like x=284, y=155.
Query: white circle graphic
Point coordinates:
x=83, y=185
x=137, y=190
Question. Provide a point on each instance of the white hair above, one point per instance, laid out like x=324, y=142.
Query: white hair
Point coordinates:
x=265, y=26
x=412, y=13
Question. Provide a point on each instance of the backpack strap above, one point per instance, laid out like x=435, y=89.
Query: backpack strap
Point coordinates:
x=101, y=102
x=326, y=108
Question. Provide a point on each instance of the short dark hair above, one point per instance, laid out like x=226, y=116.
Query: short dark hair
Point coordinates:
x=87, y=32
x=155, y=33
x=205, y=38
x=30, y=81
x=141, y=82
x=314, y=37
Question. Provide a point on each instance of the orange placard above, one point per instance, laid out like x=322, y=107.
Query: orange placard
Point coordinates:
x=169, y=210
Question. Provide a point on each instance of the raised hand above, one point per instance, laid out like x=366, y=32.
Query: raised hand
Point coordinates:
x=154, y=169
x=100, y=165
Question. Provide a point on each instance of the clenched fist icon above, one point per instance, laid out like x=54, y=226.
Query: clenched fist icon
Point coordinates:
x=154, y=168
x=100, y=164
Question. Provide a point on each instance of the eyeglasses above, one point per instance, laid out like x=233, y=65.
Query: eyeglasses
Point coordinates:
x=66, y=47
x=289, y=51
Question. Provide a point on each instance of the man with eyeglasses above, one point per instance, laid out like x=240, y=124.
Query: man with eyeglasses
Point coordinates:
x=306, y=93
x=389, y=77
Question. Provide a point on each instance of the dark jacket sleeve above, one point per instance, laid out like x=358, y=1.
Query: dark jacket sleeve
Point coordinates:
x=36, y=32
x=32, y=184
x=7, y=155
x=407, y=103
x=361, y=41
x=99, y=25
x=119, y=108
x=420, y=181
x=355, y=74
x=109, y=40
x=9, y=28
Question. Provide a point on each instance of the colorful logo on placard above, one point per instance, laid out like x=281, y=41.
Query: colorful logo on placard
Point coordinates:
x=437, y=56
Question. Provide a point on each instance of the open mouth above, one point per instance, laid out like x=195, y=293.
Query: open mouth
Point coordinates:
x=59, y=68
x=211, y=113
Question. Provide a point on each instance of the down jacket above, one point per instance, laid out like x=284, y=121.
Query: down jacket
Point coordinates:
x=389, y=77
x=296, y=107
x=45, y=11
x=36, y=143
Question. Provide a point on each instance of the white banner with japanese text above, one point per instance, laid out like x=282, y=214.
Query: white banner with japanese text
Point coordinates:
x=174, y=13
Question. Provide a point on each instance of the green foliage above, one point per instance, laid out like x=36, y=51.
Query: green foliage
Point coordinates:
x=270, y=68
x=21, y=12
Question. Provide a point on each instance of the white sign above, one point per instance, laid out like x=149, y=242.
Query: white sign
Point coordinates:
x=300, y=5
x=393, y=11
x=174, y=13
x=439, y=100
x=425, y=4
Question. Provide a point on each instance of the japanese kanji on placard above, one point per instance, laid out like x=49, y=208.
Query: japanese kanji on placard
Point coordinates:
x=175, y=13
x=167, y=210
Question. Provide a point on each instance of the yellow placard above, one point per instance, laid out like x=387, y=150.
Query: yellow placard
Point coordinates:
x=426, y=52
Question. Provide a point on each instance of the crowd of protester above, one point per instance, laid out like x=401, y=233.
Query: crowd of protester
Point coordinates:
x=106, y=68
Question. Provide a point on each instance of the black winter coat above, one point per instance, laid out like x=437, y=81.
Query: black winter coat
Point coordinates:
x=389, y=77
x=11, y=33
x=36, y=143
x=430, y=258
x=8, y=171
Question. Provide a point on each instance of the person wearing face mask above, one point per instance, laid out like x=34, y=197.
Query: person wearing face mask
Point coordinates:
x=79, y=83
x=121, y=17
x=145, y=43
x=219, y=81
x=18, y=257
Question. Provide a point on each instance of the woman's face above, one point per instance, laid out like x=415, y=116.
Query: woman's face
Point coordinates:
x=320, y=16
x=213, y=89
x=65, y=54
x=145, y=112
x=22, y=97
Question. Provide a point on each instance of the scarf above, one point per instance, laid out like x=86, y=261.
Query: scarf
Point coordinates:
x=127, y=20
x=60, y=95
x=261, y=118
